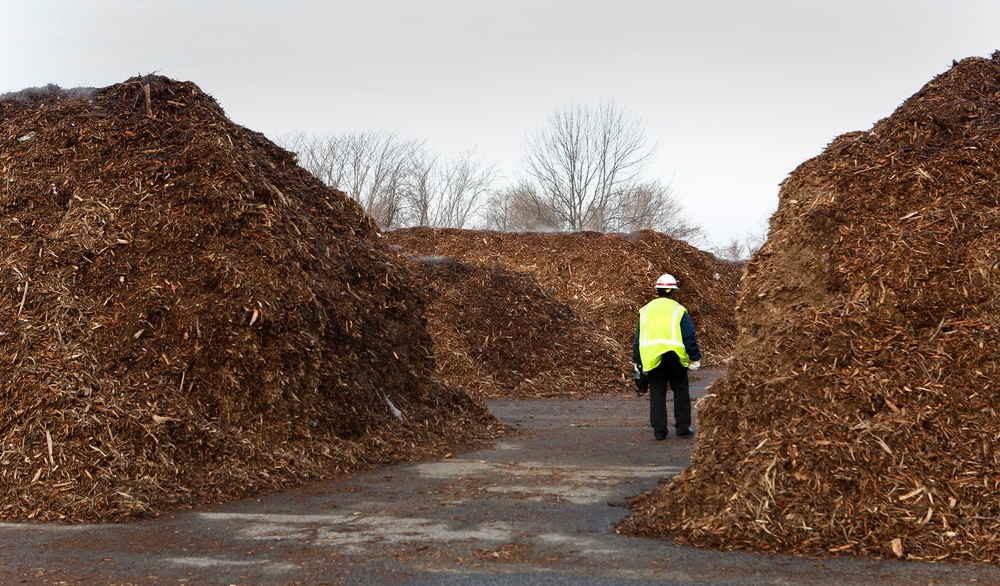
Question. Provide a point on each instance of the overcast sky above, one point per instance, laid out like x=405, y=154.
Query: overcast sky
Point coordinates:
x=735, y=93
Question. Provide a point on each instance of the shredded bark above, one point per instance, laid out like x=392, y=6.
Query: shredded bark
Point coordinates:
x=604, y=279
x=860, y=413
x=498, y=333
x=187, y=316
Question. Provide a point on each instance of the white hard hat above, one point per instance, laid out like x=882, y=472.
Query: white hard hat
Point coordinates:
x=666, y=282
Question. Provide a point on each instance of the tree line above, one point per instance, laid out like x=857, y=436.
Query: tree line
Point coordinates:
x=586, y=169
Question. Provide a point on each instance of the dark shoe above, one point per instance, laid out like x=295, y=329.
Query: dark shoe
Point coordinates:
x=659, y=436
x=685, y=432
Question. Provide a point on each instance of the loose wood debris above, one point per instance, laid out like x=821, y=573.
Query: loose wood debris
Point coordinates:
x=603, y=278
x=186, y=316
x=860, y=415
x=499, y=334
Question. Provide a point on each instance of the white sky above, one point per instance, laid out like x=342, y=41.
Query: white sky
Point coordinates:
x=736, y=93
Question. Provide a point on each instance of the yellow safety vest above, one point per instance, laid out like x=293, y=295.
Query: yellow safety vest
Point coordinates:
x=660, y=332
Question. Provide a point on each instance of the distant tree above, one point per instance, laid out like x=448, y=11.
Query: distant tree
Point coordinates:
x=651, y=206
x=447, y=193
x=584, y=172
x=585, y=161
x=740, y=250
x=519, y=208
x=733, y=251
x=371, y=167
x=757, y=236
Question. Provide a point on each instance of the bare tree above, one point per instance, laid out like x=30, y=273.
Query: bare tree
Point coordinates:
x=584, y=173
x=757, y=236
x=448, y=193
x=738, y=250
x=584, y=160
x=651, y=205
x=520, y=208
x=371, y=167
x=752, y=241
x=733, y=251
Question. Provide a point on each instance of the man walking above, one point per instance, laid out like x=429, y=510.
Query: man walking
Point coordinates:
x=664, y=349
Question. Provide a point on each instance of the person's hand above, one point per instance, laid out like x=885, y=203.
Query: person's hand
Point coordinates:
x=641, y=383
x=694, y=365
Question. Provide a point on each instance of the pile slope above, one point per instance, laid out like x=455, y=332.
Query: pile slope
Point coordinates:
x=187, y=316
x=860, y=413
x=604, y=278
x=498, y=333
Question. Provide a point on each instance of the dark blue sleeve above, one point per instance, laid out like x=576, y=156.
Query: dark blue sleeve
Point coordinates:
x=690, y=340
x=635, y=348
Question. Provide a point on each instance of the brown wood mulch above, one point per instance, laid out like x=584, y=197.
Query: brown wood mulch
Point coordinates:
x=860, y=414
x=498, y=333
x=603, y=278
x=186, y=316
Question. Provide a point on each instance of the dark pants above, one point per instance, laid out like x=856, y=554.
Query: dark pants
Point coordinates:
x=669, y=372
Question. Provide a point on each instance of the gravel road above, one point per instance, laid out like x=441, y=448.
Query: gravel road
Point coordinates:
x=536, y=508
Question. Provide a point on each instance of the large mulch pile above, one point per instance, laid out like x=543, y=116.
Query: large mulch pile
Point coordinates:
x=186, y=316
x=499, y=334
x=603, y=278
x=860, y=415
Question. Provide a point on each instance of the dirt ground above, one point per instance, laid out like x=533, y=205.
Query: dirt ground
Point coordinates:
x=536, y=508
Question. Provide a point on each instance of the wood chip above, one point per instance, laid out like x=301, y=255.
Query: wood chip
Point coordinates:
x=146, y=223
x=880, y=328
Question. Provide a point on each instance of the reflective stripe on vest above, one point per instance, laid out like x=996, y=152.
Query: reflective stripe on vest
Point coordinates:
x=660, y=332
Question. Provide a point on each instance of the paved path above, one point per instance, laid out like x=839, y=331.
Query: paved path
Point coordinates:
x=537, y=508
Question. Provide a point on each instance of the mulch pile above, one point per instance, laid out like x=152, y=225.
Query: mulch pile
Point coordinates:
x=186, y=316
x=860, y=414
x=499, y=334
x=603, y=278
